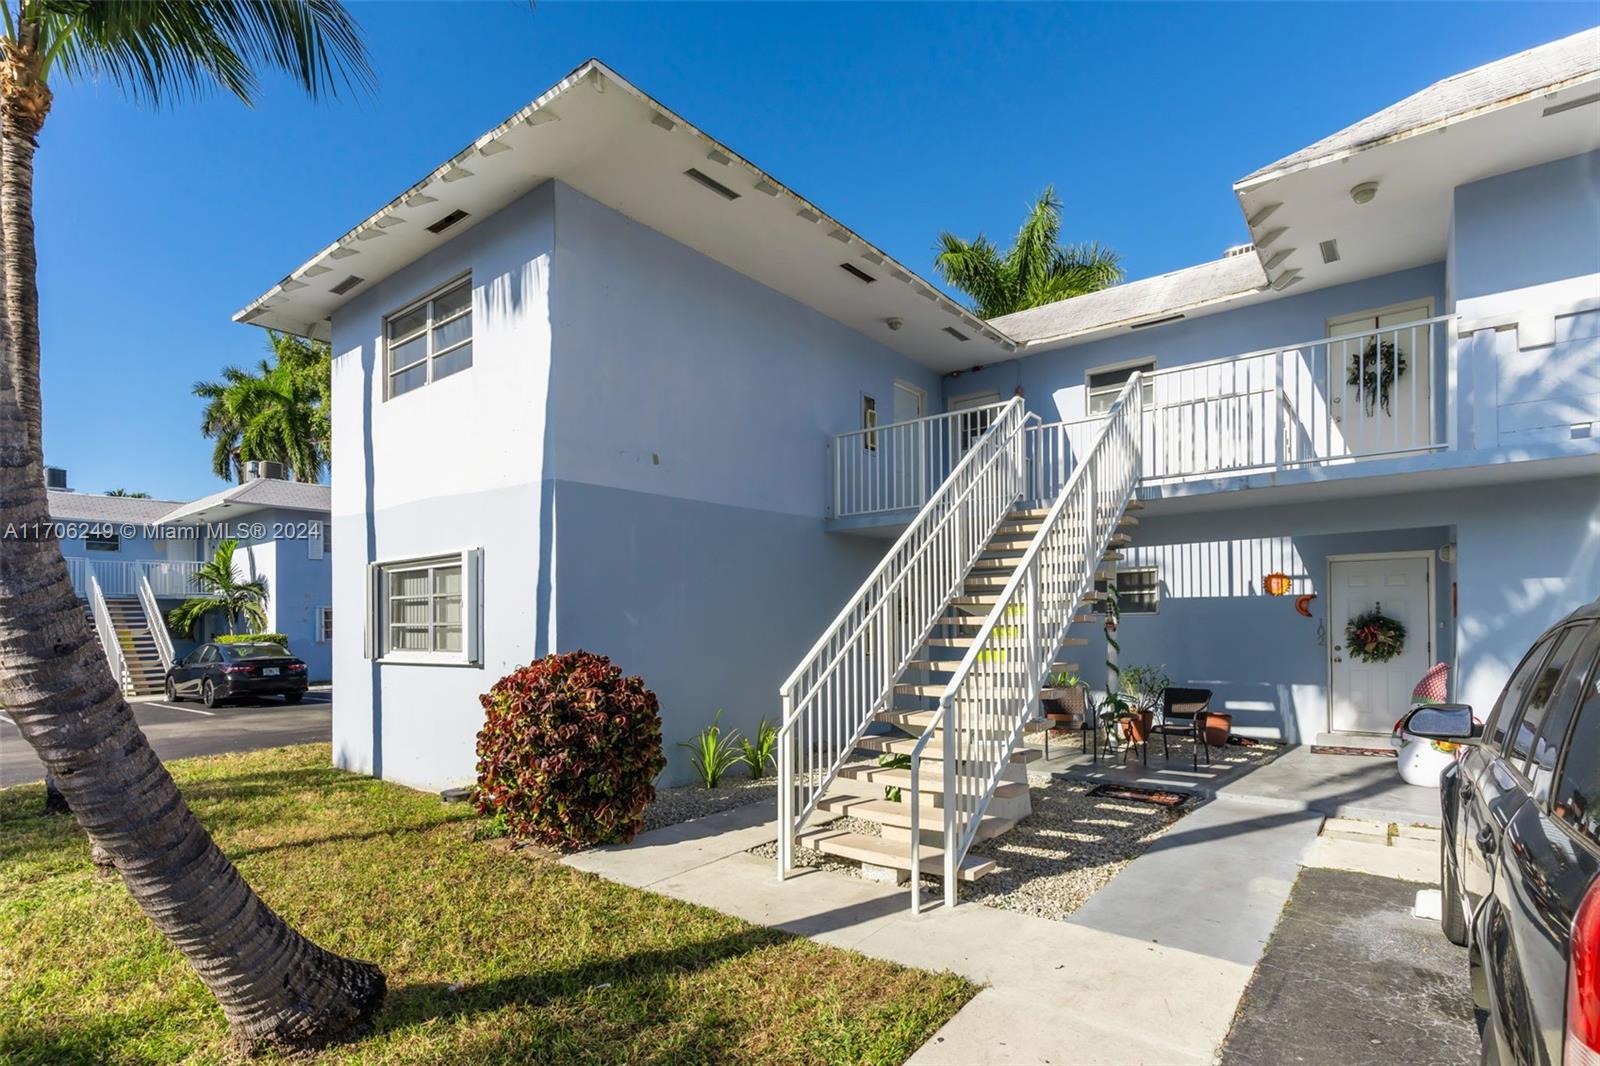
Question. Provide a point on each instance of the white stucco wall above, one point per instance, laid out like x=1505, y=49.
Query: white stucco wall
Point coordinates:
x=453, y=465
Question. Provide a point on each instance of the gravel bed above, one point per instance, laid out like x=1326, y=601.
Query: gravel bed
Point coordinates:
x=684, y=804
x=1050, y=862
x=1065, y=851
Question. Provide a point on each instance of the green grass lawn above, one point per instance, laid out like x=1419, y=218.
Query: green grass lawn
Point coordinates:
x=490, y=956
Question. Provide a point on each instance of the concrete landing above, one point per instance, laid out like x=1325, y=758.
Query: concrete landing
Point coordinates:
x=1334, y=786
x=1148, y=971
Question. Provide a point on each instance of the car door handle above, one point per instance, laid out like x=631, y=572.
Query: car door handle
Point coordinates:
x=1485, y=840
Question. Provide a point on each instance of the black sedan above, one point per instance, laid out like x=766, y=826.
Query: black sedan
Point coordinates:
x=216, y=672
x=1521, y=849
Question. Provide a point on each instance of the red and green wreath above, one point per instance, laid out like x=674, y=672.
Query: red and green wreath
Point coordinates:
x=1374, y=637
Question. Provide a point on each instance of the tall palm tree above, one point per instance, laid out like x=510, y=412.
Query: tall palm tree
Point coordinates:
x=281, y=412
x=275, y=987
x=226, y=591
x=1034, y=271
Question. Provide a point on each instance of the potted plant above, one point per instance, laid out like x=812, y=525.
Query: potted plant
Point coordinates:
x=1065, y=700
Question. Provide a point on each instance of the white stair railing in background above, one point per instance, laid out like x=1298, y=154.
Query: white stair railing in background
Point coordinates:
x=897, y=467
x=994, y=691
x=153, y=619
x=849, y=674
x=107, y=634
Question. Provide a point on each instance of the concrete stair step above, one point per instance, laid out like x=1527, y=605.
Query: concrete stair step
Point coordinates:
x=898, y=815
x=879, y=852
x=930, y=780
x=934, y=750
x=919, y=719
x=966, y=642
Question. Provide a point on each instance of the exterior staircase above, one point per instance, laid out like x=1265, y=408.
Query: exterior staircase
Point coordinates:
x=142, y=671
x=878, y=793
x=911, y=710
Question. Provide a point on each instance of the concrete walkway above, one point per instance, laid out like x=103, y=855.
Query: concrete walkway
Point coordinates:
x=1335, y=786
x=1148, y=971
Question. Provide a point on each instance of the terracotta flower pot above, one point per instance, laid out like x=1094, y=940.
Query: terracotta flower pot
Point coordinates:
x=1215, y=728
x=1137, y=727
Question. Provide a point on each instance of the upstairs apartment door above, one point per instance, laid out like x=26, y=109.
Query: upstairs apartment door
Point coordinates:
x=1380, y=381
x=1369, y=697
x=906, y=461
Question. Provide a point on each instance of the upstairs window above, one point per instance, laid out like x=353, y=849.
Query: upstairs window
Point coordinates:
x=1105, y=385
x=102, y=539
x=429, y=340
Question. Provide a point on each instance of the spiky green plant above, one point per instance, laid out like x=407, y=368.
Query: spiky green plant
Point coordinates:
x=763, y=753
x=1037, y=269
x=713, y=752
x=235, y=596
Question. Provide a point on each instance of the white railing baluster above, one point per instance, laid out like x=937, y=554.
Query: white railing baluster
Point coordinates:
x=107, y=633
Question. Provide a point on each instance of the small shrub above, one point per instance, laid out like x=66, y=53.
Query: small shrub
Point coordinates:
x=253, y=638
x=764, y=752
x=713, y=752
x=569, y=752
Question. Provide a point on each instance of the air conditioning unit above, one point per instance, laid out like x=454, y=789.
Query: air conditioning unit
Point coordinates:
x=55, y=478
x=264, y=470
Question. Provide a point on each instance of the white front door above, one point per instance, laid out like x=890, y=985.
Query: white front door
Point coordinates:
x=1365, y=697
x=1371, y=417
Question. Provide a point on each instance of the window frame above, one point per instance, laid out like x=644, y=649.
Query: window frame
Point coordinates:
x=1521, y=764
x=379, y=605
x=1552, y=800
x=1154, y=591
x=429, y=324
x=325, y=624
x=108, y=541
x=1147, y=364
x=869, y=422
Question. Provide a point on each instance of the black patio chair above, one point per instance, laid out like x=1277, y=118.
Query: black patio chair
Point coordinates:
x=1181, y=709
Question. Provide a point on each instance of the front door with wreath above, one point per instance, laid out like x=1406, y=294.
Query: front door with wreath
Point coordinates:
x=1378, y=626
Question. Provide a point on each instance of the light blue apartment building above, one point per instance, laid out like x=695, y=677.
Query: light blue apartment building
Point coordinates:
x=132, y=560
x=601, y=383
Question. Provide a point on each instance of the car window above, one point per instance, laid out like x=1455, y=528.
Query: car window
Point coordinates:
x=258, y=651
x=1578, y=791
x=1541, y=694
x=193, y=657
x=208, y=654
x=1511, y=697
x=1582, y=677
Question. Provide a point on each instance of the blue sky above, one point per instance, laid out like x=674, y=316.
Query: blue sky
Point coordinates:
x=900, y=120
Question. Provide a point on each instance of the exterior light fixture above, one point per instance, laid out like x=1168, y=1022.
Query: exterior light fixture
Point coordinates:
x=1365, y=192
x=894, y=323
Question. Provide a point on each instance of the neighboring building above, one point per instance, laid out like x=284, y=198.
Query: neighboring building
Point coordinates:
x=141, y=555
x=605, y=384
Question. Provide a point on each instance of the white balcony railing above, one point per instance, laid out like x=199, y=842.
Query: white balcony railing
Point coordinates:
x=120, y=579
x=1333, y=400
x=897, y=467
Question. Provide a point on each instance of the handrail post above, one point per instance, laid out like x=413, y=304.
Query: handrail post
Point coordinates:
x=1277, y=411
x=786, y=792
x=952, y=801
x=916, y=830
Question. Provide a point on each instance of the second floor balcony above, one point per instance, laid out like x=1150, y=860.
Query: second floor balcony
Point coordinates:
x=119, y=579
x=1401, y=398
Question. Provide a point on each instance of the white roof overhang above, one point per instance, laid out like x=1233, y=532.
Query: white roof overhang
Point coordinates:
x=602, y=136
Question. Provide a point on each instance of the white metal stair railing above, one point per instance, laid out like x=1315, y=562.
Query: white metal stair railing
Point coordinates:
x=849, y=674
x=157, y=624
x=994, y=691
x=108, y=635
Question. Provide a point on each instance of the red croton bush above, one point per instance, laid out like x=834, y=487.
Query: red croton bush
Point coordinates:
x=569, y=752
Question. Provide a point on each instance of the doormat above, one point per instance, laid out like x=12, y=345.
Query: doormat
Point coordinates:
x=1329, y=749
x=1159, y=797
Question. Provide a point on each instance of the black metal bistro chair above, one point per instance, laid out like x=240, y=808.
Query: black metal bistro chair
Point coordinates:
x=1181, y=709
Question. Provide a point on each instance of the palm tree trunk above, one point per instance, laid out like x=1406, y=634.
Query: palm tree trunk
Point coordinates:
x=275, y=986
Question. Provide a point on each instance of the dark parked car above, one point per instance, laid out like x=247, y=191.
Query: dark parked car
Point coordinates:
x=1521, y=847
x=215, y=672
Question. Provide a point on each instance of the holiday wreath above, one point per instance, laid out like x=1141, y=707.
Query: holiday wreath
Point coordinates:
x=1374, y=637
